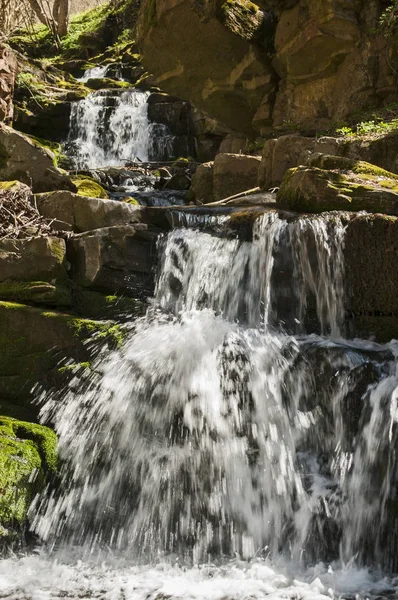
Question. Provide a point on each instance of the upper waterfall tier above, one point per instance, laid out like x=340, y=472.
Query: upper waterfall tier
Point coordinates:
x=112, y=128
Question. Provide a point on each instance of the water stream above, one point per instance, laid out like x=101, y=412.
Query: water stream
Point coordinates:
x=237, y=446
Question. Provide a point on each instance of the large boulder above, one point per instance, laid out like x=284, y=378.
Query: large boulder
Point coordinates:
x=8, y=72
x=201, y=191
x=28, y=457
x=337, y=183
x=216, y=58
x=115, y=259
x=76, y=213
x=280, y=155
x=33, y=259
x=25, y=160
x=234, y=173
x=41, y=258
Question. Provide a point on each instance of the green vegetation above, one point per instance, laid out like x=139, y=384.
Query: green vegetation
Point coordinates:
x=389, y=19
x=370, y=124
x=35, y=292
x=87, y=32
x=86, y=186
x=27, y=456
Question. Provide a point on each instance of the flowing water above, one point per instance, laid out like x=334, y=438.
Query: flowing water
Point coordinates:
x=237, y=446
x=225, y=452
x=111, y=128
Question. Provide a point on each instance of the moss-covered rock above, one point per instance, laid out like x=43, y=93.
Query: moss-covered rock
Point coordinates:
x=27, y=457
x=86, y=186
x=100, y=306
x=26, y=160
x=309, y=189
x=33, y=341
x=36, y=292
x=73, y=212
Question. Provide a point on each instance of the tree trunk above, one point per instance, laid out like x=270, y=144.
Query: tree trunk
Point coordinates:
x=63, y=17
x=39, y=12
x=56, y=10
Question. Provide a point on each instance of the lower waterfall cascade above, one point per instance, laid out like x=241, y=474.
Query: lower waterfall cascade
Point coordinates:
x=239, y=445
x=226, y=451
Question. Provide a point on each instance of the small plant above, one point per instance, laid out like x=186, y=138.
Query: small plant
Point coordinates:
x=345, y=131
x=389, y=19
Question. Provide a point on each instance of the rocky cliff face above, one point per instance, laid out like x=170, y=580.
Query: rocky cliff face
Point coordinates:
x=257, y=66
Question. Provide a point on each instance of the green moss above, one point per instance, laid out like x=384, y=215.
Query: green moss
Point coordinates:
x=74, y=368
x=7, y=185
x=325, y=161
x=27, y=455
x=130, y=200
x=316, y=190
x=96, y=305
x=35, y=292
x=89, y=187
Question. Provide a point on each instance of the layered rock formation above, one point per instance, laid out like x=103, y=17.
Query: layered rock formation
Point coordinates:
x=254, y=66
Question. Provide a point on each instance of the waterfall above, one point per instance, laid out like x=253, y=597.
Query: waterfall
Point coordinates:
x=215, y=431
x=94, y=73
x=111, y=128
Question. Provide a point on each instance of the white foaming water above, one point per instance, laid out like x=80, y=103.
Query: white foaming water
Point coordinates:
x=213, y=433
x=37, y=578
x=110, y=129
x=234, y=278
x=94, y=73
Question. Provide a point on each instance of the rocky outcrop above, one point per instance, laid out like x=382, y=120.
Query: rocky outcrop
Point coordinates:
x=23, y=159
x=78, y=213
x=215, y=59
x=8, y=72
x=219, y=59
x=371, y=256
x=234, y=173
x=201, y=190
x=115, y=260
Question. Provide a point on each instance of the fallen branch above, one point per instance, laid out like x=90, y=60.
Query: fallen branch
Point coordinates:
x=230, y=199
x=19, y=218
